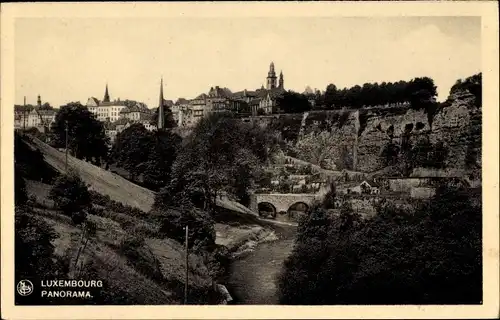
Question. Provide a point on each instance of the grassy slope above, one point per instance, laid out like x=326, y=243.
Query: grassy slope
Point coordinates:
x=113, y=185
x=126, y=192
x=238, y=231
x=119, y=272
x=98, y=179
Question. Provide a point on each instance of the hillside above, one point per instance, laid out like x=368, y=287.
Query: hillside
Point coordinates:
x=150, y=273
x=154, y=269
x=102, y=181
x=111, y=184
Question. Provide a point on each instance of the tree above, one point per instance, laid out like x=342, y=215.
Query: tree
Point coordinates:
x=46, y=106
x=331, y=96
x=168, y=117
x=20, y=193
x=293, y=102
x=348, y=219
x=28, y=164
x=34, y=253
x=145, y=153
x=89, y=230
x=421, y=92
x=390, y=154
x=260, y=112
x=421, y=151
x=86, y=135
x=70, y=194
x=429, y=255
x=212, y=158
x=330, y=197
x=428, y=155
x=201, y=226
x=438, y=155
x=157, y=168
x=131, y=149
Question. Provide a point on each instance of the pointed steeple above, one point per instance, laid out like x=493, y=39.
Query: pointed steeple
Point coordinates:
x=106, y=95
x=161, y=112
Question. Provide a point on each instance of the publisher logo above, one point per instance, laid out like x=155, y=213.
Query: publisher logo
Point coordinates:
x=24, y=288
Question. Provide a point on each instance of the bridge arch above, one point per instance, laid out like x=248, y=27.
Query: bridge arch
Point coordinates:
x=278, y=205
x=299, y=206
x=297, y=209
x=267, y=209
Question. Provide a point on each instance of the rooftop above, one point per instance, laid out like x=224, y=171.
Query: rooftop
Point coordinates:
x=112, y=103
x=168, y=103
x=139, y=107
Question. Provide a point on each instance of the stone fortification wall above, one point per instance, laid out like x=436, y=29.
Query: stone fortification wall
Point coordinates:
x=357, y=137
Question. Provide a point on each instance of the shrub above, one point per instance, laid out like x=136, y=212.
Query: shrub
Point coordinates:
x=330, y=196
x=342, y=119
x=20, y=193
x=78, y=217
x=201, y=226
x=70, y=194
x=134, y=248
x=105, y=201
x=429, y=255
x=34, y=253
x=217, y=259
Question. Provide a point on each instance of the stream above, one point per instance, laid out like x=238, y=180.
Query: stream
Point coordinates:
x=252, y=278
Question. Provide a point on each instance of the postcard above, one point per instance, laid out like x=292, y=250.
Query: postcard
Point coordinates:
x=249, y=160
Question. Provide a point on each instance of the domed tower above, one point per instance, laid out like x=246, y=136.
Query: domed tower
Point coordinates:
x=281, y=81
x=271, y=77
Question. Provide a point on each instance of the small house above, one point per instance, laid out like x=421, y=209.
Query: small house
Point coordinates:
x=369, y=187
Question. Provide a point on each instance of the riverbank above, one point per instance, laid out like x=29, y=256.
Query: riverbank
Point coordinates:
x=252, y=274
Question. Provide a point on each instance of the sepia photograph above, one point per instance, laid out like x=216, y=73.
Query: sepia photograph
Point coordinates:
x=219, y=159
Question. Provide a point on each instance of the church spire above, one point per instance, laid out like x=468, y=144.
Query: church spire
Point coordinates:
x=106, y=95
x=161, y=112
x=281, y=81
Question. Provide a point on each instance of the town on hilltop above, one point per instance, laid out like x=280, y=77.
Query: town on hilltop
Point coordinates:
x=327, y=135
x=119, y=114
x=251, y=174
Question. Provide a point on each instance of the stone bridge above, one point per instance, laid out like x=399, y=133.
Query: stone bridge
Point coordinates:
x=283, y=202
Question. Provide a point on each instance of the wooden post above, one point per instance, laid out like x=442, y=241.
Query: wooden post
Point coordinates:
x=66, y=147
x=24, y=115
x=187, y=267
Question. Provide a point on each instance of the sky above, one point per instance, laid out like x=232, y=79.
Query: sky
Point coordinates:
x=72, y=59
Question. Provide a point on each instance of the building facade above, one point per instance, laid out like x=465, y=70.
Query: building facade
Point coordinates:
x=261, y=101
x=105, y=110
x=28, y=116
x=136, y=113
x=179, y=111
x=264, y=101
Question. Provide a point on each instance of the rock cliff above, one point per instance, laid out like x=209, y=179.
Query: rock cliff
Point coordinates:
x=357, y=137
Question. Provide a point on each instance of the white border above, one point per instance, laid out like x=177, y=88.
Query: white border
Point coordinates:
x=487, y=10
